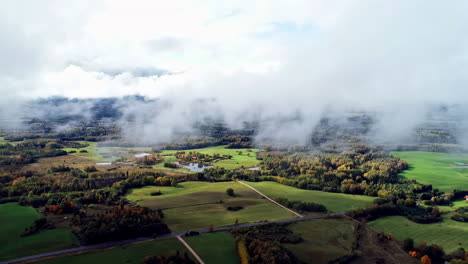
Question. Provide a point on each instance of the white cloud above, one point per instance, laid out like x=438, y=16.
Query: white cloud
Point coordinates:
x=281, y=56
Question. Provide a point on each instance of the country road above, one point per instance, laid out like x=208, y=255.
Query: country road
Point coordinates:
x=178, y=235
x=271, y=200
x=117, y=243
x=191, y=250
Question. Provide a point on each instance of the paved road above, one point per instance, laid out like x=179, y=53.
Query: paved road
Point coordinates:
x=191, y=250
x=117, y=243
x=271, y=200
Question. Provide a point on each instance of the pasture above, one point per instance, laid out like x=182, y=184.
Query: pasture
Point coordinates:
x=245, y=158
x=435, y=168
x=198, y=205
x=213, y=248
x=124, y=254
x=14, y=219
x=336, y=202
x=91, y=151
x=324, y=239
x=449, y=234
x=4, y=141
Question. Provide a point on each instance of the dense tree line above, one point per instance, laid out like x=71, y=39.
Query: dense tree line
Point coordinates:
x=118, y=223
x=302, y=206
x=390, y=206
x=264, y=243
x=176, y=258
x=461, y=214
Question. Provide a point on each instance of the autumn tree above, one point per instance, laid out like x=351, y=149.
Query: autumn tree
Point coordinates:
x=426, y=260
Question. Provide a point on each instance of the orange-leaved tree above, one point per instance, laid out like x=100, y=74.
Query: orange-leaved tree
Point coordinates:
x=426, y=260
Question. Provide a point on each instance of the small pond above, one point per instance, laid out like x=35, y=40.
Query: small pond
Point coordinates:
x=141, y=155
x=196, y=167
x=104, y=163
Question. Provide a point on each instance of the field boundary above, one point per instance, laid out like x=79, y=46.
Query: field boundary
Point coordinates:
x=271, y=200
x=190, y=249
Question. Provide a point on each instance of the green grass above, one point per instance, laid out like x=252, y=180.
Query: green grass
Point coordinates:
x=4, y=141
x=125, y=254
x=14, y=219
x=336, y=202
x=456, y=204
x=246, y=159
x=449, y=234
x=437, y=169
x=219, y=247
x=92, y=153
x=195, y=205
x=324, y=239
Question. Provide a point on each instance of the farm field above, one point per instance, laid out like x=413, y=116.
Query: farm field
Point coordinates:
x=196, y=205
x=124, y=254
x=324, y=239
x=246, y=159
x=336, y=202
x=213, y=248
x=437, y=169
x=14, y=219
x=449, y=234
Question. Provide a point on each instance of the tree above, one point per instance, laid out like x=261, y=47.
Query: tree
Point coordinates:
x=230, y=192
x=408, y=244
x=426, y=260
x=174, y=183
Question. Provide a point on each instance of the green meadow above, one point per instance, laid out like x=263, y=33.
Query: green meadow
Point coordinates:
x=197, y=205
x=323, y=239
x=213, y=248
x=124, y=254
x=436, y=168
x=14, y=219
x=91, y=151
x=449, y=234
x=245, y=158
x=336, y=202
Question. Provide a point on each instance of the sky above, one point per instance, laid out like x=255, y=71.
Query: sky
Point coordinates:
x=280, y=57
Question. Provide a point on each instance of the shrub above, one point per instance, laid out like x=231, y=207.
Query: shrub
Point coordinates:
x=408, y=244
x=90, y=169
x=235, y=208
x=156, y=193
x=230, y=192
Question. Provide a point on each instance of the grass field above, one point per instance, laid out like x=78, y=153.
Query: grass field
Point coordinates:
x=213, y=248
x=246, y=159
x=92, y=151
x=195, y=205
x=4, y=141
x=324, y=239
x=449, y=234
x=14, y=219
x=336, y=202
x=437, y=169
x=125, y=254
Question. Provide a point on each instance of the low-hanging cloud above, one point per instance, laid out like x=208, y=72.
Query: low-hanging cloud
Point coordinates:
x=283, y=68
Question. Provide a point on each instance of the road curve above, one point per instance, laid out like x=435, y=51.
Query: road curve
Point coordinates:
x=140, y=239
x=271, y=200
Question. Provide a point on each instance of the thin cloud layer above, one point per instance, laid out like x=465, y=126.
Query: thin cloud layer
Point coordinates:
x=269, y=60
